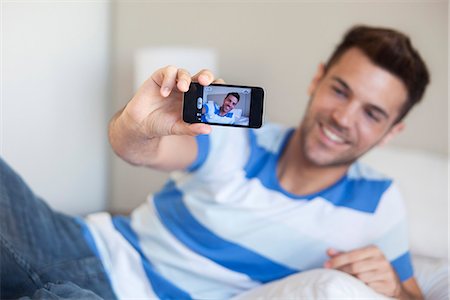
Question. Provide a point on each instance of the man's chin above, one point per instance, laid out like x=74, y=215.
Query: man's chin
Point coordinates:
x=324, y=161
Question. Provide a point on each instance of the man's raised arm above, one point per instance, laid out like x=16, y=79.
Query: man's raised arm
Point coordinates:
x=149, y=130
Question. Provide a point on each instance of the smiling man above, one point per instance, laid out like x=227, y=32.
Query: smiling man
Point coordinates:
x=298, y=198
x=244, y=210
x=356, y=104
x=214, y=114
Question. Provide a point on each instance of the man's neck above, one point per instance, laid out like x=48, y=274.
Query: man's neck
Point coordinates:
x=299, y=176
x=221, y=111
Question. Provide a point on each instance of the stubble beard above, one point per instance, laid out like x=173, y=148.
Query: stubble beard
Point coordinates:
x=343, y=159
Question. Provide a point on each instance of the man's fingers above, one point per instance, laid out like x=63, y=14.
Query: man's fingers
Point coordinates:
x=219, y=81
x=182, y=128
x=350, y=257
x=198, y=128
x=204, y=77
x=361, y=266
x=332, y=252
x=169, y=75
x=379, y=287
x=372, y=276
x=183, y=80
x=369, y=265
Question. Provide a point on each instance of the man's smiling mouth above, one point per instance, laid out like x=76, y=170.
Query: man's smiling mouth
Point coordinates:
x=332, y=136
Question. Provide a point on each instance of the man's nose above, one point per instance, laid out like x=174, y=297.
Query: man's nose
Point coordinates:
x=345, y=115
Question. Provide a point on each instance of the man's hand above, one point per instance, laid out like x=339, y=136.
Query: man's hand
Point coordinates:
x=370, y=266
x=156, y=107
x=150, y=131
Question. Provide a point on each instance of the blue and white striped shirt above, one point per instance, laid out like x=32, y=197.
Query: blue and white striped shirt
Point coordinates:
x=212, y=114
x=225, y=225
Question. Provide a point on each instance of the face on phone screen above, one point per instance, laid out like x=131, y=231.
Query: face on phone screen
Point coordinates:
x=231, y=105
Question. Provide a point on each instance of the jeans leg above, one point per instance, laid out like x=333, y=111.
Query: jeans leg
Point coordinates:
x=40, y=246
x=62, y=290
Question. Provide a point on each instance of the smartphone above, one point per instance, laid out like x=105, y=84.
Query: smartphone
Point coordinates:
x=224, y=104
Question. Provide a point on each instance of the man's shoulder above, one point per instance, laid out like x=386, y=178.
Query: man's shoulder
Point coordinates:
x=216, y=108
x=368, y=188
x=271, y=136
x=361, y=171
x=377, y=189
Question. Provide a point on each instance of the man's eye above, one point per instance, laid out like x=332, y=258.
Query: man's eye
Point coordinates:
x=372, y=115
x=339, y=92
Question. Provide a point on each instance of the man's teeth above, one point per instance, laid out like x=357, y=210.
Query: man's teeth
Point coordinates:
x=332, y=136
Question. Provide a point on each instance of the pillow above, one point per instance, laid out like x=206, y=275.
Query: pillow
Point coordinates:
x=211, y=107
x=237, y=113
x=432, y=276
x=422, y=177
x=313, y=284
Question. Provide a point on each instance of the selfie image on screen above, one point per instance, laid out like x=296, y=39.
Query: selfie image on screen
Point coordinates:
x=226, y=105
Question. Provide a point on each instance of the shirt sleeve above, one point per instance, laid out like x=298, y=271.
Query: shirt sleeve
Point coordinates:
x=393, y=233
x=202, y=152
x=212, y=107
x=220, y=154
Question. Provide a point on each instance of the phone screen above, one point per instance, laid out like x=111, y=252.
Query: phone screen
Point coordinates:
x=228, y=105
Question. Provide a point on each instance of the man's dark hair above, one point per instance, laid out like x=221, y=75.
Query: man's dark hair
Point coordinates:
x=392, y=51
x=233, y=94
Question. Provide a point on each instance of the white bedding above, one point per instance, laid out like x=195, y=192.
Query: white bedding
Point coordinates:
x=314, y=284
x=242, y=121
x=431, y=274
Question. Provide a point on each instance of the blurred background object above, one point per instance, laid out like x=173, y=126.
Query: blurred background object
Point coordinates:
x=189, y=58
x=55, y=103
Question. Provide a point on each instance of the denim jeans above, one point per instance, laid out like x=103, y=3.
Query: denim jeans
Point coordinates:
x=43, y=253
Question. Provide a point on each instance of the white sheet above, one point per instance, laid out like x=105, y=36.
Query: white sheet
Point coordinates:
x=314, y=284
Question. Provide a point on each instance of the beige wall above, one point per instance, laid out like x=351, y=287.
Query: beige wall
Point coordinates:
x=54, y=93
x=277, y=46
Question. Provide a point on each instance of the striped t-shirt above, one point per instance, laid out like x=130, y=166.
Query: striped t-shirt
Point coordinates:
x=212, y=114
x=226, y=225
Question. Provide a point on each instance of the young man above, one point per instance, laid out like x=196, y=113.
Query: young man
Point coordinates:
x=287, y=201
x=222, y=114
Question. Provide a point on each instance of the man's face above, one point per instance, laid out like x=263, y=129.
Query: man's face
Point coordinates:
x=229, y=103
x=353, y=107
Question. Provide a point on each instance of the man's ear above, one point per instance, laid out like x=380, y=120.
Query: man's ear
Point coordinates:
x=320, y=73
x=396, y=129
